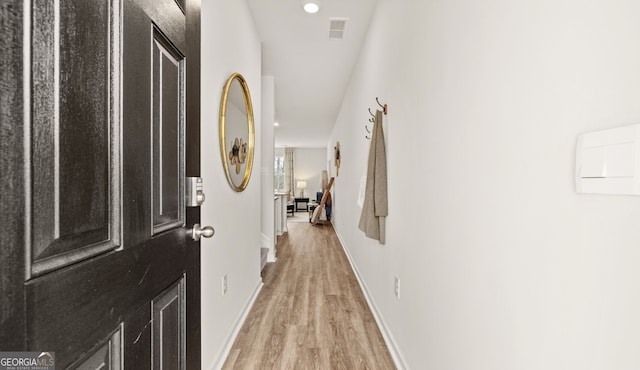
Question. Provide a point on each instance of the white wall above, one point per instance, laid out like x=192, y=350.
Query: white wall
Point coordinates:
x=266, y=170
x=308, y=164
x=502, y=264
x=229, y=44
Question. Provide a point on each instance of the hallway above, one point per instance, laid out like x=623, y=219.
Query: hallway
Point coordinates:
x=311, y=313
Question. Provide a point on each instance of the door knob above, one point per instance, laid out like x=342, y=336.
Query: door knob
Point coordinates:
x=199, y=231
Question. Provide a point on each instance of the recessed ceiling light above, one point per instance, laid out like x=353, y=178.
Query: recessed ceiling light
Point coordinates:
x=311, y=7
x=276, y=124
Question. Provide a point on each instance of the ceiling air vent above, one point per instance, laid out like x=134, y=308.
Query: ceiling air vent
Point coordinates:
x=337, y=27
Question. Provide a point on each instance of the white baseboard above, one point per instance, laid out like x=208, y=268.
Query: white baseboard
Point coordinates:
x=236, y=328
x=267, y=242
x=394, y=350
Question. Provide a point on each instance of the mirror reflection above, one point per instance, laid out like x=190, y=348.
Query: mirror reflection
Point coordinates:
x=236, y=132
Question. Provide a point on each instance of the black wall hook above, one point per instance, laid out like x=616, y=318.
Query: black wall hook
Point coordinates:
x=384, y=107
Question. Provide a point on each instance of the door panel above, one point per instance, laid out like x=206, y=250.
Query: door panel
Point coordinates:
x=169, y=328
x=99, y=265
x=71, y=112
x=168, y=134
x=107, y=356
x=148, y=28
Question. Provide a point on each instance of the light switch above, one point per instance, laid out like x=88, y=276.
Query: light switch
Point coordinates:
x=607, y=161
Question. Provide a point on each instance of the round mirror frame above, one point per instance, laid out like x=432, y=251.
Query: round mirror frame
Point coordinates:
x=251, y=130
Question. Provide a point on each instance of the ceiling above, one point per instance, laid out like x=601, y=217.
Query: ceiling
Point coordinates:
x=311, y=70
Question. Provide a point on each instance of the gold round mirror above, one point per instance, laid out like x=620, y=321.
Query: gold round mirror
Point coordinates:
x=237, y=132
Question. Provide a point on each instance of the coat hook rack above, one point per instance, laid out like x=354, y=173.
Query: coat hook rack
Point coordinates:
x=383, y=106
x=373, y=120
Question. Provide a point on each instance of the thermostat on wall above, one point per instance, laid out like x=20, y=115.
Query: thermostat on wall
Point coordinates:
x=608, y=161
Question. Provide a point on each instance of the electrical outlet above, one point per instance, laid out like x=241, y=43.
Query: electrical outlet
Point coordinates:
x=224, y=284
x=397, y=287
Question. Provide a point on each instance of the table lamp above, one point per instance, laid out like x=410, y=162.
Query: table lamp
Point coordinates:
x=302, y=185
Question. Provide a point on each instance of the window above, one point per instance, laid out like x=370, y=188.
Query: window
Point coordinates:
x=278, y=179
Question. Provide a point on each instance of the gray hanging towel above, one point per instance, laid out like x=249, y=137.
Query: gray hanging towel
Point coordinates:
x=375, y=207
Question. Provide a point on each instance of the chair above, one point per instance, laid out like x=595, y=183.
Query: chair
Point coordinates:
x=313, y=207
x=290, y=209
x=325, y=204
x=327, y=207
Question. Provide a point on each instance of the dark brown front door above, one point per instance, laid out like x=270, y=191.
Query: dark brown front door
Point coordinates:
x=100, y=125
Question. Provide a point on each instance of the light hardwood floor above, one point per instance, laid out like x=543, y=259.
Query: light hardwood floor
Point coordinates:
x=311, y=313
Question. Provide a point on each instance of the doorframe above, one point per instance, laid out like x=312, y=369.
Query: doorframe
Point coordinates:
x=192, y=169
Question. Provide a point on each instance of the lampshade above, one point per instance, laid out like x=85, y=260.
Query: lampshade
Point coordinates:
x=302, y=184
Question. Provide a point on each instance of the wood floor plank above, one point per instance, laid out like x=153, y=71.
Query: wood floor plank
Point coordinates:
x=311, y=312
